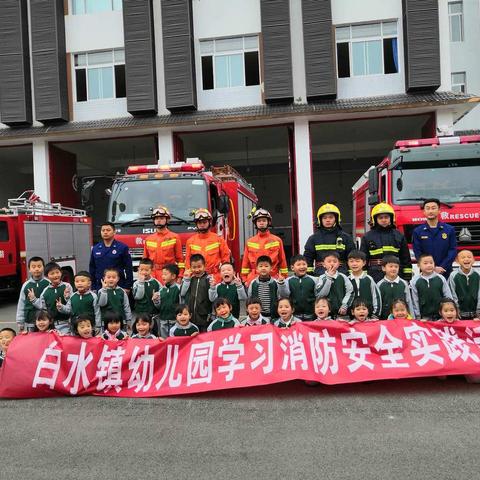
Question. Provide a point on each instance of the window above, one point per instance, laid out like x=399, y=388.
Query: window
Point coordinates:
x=4, y=232
x=455, y=17
x=81, y=7
x=230, y=62
x=367, y=49
x=459, y=82
x=100, y=75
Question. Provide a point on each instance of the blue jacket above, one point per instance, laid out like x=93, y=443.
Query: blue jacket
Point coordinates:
x=440, y=242
x=116, y=256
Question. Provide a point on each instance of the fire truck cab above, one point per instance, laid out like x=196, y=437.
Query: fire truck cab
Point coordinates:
x=183, y=187
x=447, y=168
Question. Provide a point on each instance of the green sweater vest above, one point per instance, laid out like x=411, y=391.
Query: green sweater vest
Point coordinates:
x=466, y=289
x=50, y=296
x=38, y=288
x=391, y=291
x=302, y=294
x=169, y=299
x=230, y=291
x=429, y=295
x=145, y=304
x=82, y=304
x=115, y=303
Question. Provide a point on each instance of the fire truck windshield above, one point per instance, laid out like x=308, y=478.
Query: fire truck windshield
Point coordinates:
x=450, y=183
x=132, y=201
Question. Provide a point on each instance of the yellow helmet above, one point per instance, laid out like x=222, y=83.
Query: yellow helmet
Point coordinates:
x=328, y=208
x=382, y=208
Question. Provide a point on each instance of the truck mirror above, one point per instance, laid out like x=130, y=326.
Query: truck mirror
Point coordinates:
x=87, y=187
x=223, y=204
x=373, y=181
x=373, y=199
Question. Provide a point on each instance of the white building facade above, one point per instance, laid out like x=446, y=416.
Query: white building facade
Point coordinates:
x=300, y=96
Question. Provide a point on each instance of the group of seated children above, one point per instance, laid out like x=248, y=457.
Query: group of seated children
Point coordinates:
x=198, y=304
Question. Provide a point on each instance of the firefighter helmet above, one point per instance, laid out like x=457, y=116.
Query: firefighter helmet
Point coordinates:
x=261, y=213
x=161, y=211
x=383, y=208
x=202, y=214
x=328, y=208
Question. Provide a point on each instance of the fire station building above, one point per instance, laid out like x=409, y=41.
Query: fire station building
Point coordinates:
x=300, y=96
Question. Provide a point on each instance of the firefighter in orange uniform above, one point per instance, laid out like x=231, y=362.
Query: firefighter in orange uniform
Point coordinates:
x=213, y=248
x=164, y=246
x=263, y=243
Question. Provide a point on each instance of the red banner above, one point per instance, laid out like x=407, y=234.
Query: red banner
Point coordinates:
x=41, y=365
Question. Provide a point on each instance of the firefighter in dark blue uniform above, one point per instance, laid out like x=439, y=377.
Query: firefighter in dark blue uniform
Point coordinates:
x=329, y=237
x=384, y=239
x=110, y=253
x=435, y=238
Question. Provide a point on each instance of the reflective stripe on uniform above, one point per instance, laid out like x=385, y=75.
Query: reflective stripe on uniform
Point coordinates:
x=181, y=265
x=332, y=246
x=197, y=248
x=151, y=244
x=284, y=270
x=167, y=243
x=272, y=244
x=384, y=249
x=245, y=270
x=407, y=270
x=212, y=246
x=253, y=245
x=310, y=269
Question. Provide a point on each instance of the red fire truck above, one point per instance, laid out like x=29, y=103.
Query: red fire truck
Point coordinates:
x=30, y=227
x=183, y=187
x=447, y=168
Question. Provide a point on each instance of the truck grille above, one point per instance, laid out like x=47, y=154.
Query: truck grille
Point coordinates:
x=136, y=252
x=470, y=229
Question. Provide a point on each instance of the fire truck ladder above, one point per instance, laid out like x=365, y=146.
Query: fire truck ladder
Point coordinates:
x=226, y=173
x=28, y=203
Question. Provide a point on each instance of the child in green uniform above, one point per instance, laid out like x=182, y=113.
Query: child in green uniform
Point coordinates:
x=360, y=311
x=428, y=289
x=266, y=288
x=113, y=324
x=364, y=286
x=465, y=286
x=83, y=326
x=83, y=301
x=322, y=309
x=302, y=289
x=55, y=295
x=231, y=287
x=194, y=291
x=29, y=292
x=335, y=286
x=44, y=322
x=183, y=326
x=285, y=311
x=6, y=336
x=142, y=327
x=168, y=299
x=112, y=298
x=223, y=315
x=399, y=310
x=392, y=287
x=254, y=313
x=145, y=290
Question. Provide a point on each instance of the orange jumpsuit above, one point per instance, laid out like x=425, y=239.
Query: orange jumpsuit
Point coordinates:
x=263, y=243
x=213, y=248
x=162, y=248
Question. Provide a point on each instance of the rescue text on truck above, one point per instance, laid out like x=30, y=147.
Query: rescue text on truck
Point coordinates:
x=447, y=168
x=182, y=187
